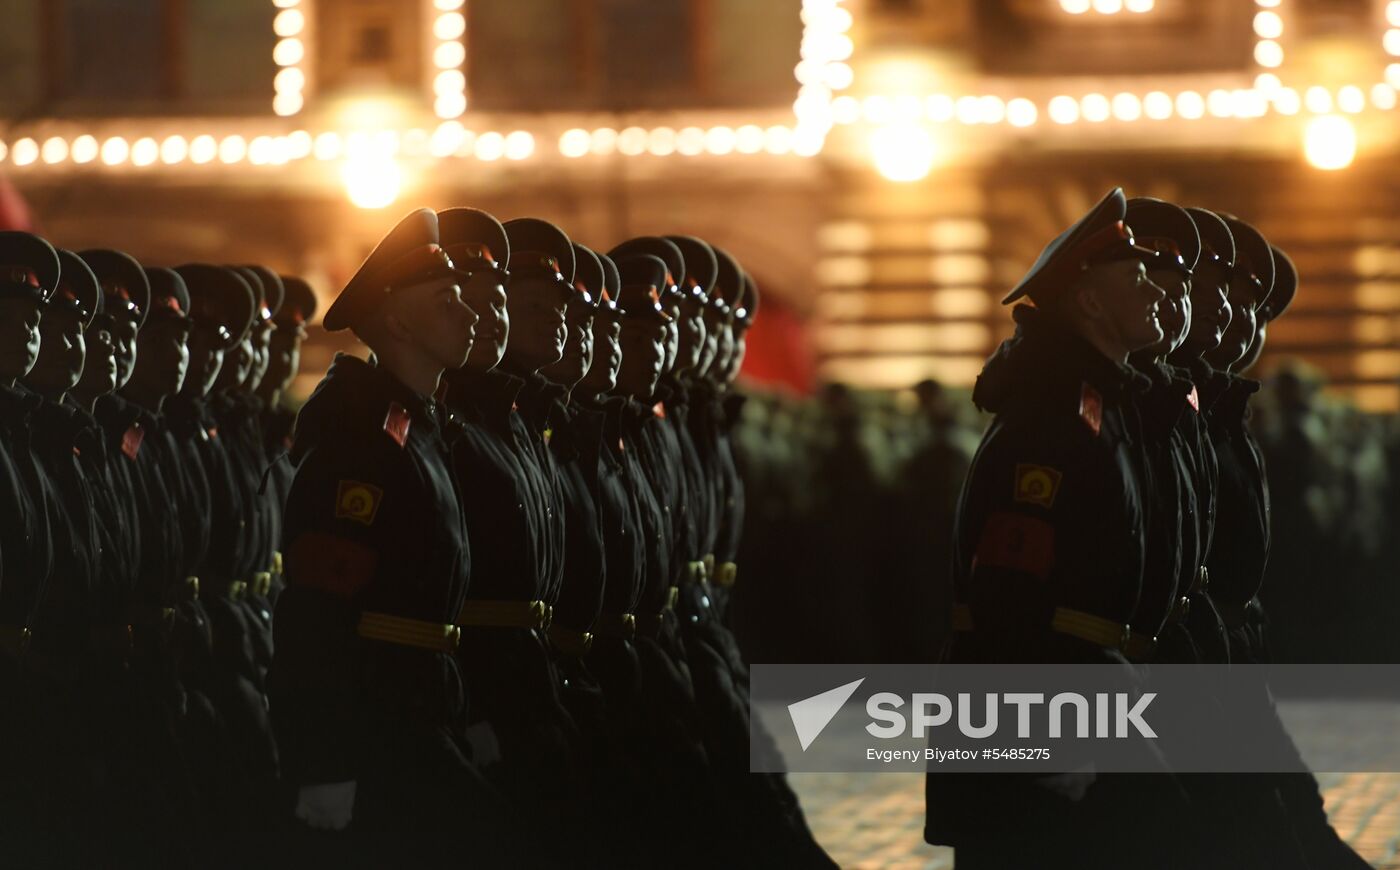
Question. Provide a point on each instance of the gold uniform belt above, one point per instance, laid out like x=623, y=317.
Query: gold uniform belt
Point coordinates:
x=570, y=640
x=404, y=631
x=505, y=614
x=623, y=625
x=725, y=574
x=1085, y=626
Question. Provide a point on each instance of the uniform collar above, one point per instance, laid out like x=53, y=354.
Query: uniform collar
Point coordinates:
x=483, y=395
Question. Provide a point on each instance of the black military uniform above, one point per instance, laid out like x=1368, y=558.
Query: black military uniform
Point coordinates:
x=1048, y=566
x=364, y=686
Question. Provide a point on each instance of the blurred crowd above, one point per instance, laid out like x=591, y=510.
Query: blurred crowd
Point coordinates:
x=851, y=496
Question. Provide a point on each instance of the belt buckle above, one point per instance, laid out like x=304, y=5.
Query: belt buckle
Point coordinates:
x=1126, y=637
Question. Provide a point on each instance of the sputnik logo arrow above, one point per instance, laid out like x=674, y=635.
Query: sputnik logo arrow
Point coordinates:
x=810, y=716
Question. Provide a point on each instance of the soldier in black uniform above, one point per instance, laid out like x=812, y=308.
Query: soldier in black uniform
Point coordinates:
x=1048, y=563
x=366, y=693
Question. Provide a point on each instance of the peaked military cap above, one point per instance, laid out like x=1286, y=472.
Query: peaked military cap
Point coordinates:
x=588, y=277
x=1100, y=236
x=701, y=267
x=729, y=285
x=408, y=255
x=474, y=240
x=221, y=302
x=1285, y=287
x=748, y=302
x=539, y=249
x=169, y=297
x=612, y=283
x=298, y=304
x=29, y=266
x=1253, y=256
x=126, y=288
x=78, y=291
x=1217, y=244
x=641, y=277
x=1166, y=229
x=663, y=249
x=272, y=291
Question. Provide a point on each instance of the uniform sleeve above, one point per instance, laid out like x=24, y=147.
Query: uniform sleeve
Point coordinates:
x=342, y=514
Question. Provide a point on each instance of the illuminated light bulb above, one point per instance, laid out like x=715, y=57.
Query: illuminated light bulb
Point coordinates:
x=992, y=109
x=841, y=47
x=203, y=148
x=84, y=149
x=54, y=150
x=1064, y=109
x=1382, y=97
x=144, y=151
x=1248, y=103
x=298, y=144
x=447, y=5
x=1267, y=83
x=841, y=20
x=1140, y=6
x=1268, y=53
x=287, y=103
x=845, y=109
x=449, y=81
x=902, y=152
x=777, y=139
x=447, y=138
x=288, y=22
x=24, y=152
x=575, y=142
x=939, y=108
x=967, y=109
x=1286, y=101
x=1318, y=100
x=1268, y=25
x=1190, y=105
x=807, y=72
x=288, y=52
x=289, y=80
x=449, y=55
x=661, y=141
x=1157, y=105
x=490, y=146
x=449, y=25
x=1220, y=103
x=450, y=105
x=1021, y=112
x=1108, y=7
x=632, y=141
x=371, y=182
x=1094, y=107
x=1329, y=142
x=690, y=141
x=327, y=146
x=878, y=109
x=907, y=107
x=748, y=139
x=808, y=141
x=839, y=76
x=260, y=150
x=1127, y=107
x=1391, y=42
x=232, y=149
x=285, y=4
x=1267, y=4
x=1351, y=99
x=1392, y=75
x=174, y=149
x=1392, y=13
x=115, y=150
x=719, y=140
x=1075, y=7
x=604, y=141
x=4, y=151
x=520, y=144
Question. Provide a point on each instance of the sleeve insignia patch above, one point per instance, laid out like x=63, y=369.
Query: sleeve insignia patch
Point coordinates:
x=1012, y=542
x=357, y=501
x=1037, y=485
x=131, y=440
x=1193, y=398
x=1091, y=408
x=396, y=423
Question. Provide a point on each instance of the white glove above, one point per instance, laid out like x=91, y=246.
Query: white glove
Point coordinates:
x=326, y=806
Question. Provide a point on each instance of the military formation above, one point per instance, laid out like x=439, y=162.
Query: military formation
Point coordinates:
x=470, y=601
x=1117, y=512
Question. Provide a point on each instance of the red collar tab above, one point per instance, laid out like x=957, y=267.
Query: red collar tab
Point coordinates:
x=1091, y=408
x=396, y=423
x=659, y=410
x=131, y=440
x=1193, y=398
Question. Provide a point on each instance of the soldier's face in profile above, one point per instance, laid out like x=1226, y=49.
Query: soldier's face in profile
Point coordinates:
x=100, y=367
x=714, y=325
x=643, y=353
x=1174, y=313
x=736, y=359
x=1126, y=303
x=124, y=331
x=724, y=351
x=536, y=307
x=62, y=351
x=607, y=355
x=262, y=342
x=205, y=361
x=162, y=357
x=484, y=294
x=672, y=341
x=238, y=362
x=1243, y=297
x=19, y=336
x=1210, y=309
x=578, y=348
x=283, y=359
x=432, y=316
x=691, y=337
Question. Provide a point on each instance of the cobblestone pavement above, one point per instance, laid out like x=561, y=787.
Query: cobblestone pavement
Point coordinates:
x=876, y=820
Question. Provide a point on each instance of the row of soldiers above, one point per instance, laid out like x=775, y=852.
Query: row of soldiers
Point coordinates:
x=469, y=601
x=1117, y=512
